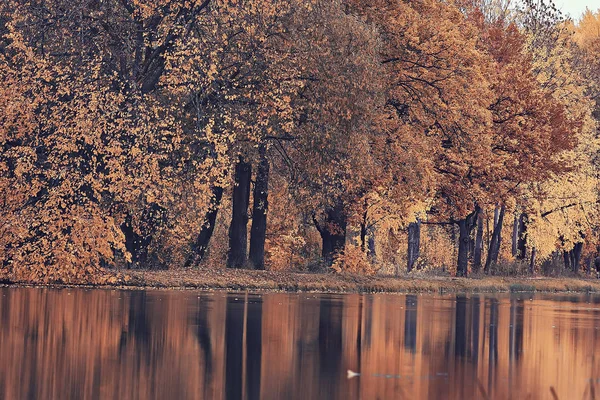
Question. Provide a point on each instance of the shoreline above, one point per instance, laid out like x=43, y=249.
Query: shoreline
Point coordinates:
x=291, y=282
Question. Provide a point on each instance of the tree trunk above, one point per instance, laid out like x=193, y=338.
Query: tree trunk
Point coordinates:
x=238, y=240
x=465, y=226
x=496, y=215
x=532, y=262
x=260, y=207
x=138, y=242
x=363, y=237
x=371, y=245
x=494, y=249
x=333, y=233
x=488, y=236
x=515, y=236
x=471, y=248
x=478, y=244
x=201, y=245
x=132, y=239
x=577, y=250
x=414, y=240
x=522, y=242
x=463, y=248
x=567, y=259
x=364, y=227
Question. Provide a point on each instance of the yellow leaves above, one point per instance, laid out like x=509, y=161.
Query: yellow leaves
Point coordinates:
x=587, y=31
x=353, y=260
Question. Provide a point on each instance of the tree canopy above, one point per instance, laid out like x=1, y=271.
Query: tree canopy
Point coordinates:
x=132, y=132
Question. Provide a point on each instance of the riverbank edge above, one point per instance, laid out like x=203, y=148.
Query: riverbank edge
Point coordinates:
x=260, y=281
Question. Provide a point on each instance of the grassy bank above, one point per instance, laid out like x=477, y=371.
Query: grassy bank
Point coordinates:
x=225, y=279
x=344, y=283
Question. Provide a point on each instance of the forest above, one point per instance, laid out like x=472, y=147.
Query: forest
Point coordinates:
x=388, y=137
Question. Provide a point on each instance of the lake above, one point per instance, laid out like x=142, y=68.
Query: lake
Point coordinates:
x=112, y=344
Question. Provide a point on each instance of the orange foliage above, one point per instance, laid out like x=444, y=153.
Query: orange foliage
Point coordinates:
x=119, y=119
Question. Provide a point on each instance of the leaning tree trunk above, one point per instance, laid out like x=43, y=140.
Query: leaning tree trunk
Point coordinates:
x=494, y=249
x=477, y=251
x=496, y=215
x=258, y=230
x=414, y=240
x=333, y=233
x=522, y=241
x=238, y=241
x=203, y=239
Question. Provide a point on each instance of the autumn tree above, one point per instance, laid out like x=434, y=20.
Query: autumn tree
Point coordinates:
x=74, y=157
x=105, y=143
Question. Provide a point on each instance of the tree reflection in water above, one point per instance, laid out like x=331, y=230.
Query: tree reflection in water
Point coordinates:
x=101, y=344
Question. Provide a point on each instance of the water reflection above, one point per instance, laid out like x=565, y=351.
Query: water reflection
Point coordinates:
x=99, y=344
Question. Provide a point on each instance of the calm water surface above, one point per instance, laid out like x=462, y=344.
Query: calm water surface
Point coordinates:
x=103, y=344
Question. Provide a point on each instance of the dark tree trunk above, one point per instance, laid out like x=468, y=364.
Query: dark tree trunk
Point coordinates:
x=532, y=261
x=333, y=233
x=138, y=242
x=465, y=226
x=567, y=259
x=496, y=215
x=522, y=242
x=515, y=236
x=371, y=245
x=471, y=248
x=201, y=245
x=576, y=259
x=132, y=239
x=494, y=249
x=238, y=240
x=364, y=228
x=363, y=237
x=488, y=236
x=414, y=241
x=477, y=251
x=463, y=248
x=260, y=207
